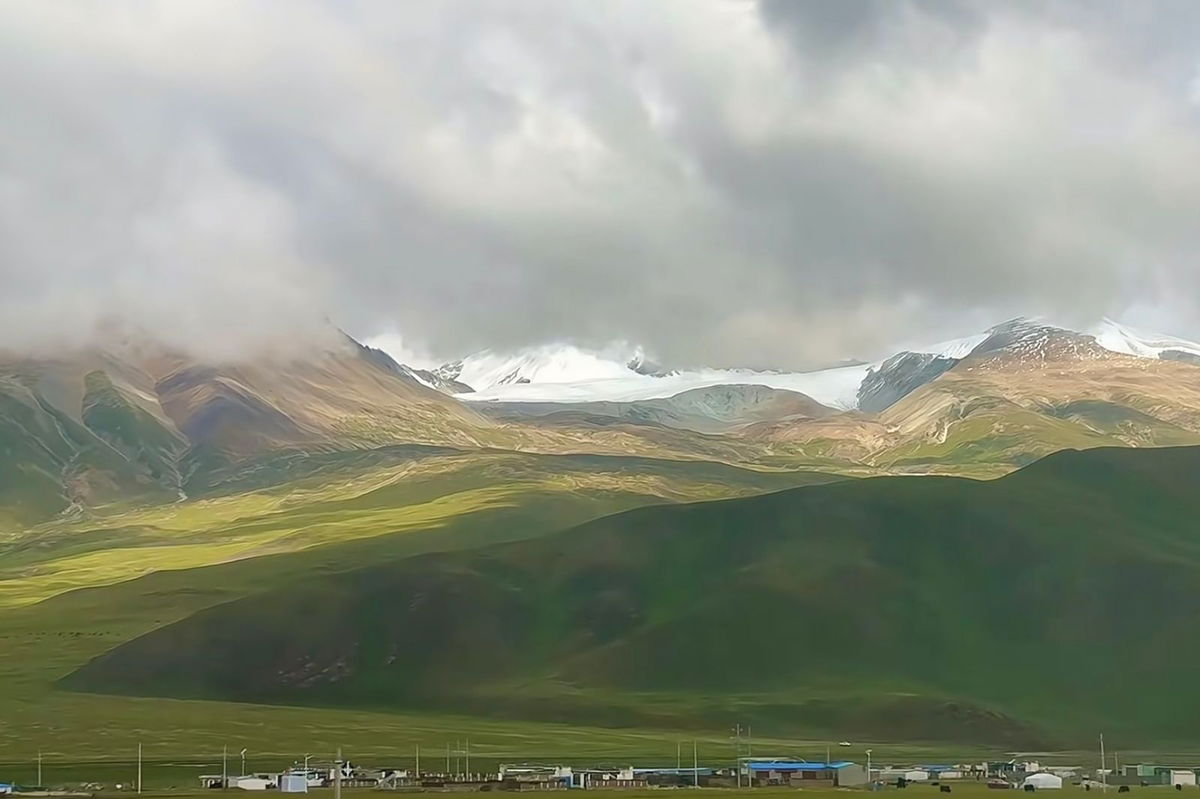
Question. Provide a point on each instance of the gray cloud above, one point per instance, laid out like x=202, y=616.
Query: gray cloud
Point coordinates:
x=784, y=184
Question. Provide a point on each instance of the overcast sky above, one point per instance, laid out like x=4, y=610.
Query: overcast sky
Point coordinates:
x=722, y=181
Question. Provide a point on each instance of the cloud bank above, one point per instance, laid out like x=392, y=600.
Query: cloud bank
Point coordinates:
x=784, y=183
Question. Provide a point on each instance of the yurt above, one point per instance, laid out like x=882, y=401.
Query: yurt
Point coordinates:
x=1043, y=781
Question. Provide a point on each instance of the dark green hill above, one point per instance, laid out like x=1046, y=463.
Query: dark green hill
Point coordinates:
x=1043, y=604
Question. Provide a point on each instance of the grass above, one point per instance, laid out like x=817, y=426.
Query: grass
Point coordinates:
x=418, y=490
x=903, y=608
x=70, y=591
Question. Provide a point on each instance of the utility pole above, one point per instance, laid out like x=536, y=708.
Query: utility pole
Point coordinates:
x=678, y=756
x=1103, y=776
x=695, y=766
x=870, y=782
x=40, y=783
x=417, y=767
x=337, y=775
x=224, y=767
x=468, y=757
x=737, y=748
x=139, y=767
x=243, y=761
x=826, y=753
x=447, y=758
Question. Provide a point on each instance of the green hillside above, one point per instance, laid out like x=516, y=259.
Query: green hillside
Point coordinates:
x=50, y=462
x=299, y=501
x=1026, y=609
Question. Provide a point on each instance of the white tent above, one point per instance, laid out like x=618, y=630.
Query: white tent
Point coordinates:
x=1043, y=781
x=916, y=775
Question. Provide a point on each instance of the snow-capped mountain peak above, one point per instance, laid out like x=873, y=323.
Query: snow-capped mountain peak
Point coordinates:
x=551, y=363
x=567, y=373
x=1126, y=340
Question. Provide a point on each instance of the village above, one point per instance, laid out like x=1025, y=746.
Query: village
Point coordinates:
x=337, y=775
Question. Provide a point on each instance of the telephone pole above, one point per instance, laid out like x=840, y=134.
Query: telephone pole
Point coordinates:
x=224, y=767
x=695, y=766
x=337, y=775
x=1103, y=767
x=737, y=749
x=417, y=767
x=139, y=768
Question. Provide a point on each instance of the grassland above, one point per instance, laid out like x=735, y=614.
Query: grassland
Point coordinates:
x=71, y=590
x=896, y=608
x=302, y=503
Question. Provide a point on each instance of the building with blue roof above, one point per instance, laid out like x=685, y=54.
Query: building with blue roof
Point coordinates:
x=802, y=773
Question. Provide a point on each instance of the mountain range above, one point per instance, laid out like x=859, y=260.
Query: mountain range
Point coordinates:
x=565, y=373
x=138, y=423
x=612, y=525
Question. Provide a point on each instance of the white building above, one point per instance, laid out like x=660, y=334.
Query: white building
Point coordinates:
x=253, y=782
x=293, y=783
x=1043, y=781
x=1183, y=777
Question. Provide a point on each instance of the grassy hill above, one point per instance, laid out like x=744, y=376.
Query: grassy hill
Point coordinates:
x=299, y=501
x=1033, y=607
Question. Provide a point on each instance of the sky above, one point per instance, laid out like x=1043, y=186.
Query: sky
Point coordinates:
x=784, y=183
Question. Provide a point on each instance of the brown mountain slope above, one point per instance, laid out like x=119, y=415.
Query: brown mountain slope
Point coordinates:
x=1018, y=398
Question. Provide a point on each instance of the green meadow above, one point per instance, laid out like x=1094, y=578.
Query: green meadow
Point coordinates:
x=73, y=589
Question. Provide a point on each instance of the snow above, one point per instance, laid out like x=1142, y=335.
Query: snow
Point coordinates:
x=837, y=388
x=1126, y=340
x=546, y=364
x=954, y=348
x=567, y=373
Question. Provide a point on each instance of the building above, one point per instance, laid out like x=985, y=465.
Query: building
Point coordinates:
x=675, y=777
x=527, y=777
x=802, y=773
x=595, y=778
x=254, y=782
x=906, y=774
x=293, y=783
x=1043, y=781
x=1180, y=776
x=5, y=788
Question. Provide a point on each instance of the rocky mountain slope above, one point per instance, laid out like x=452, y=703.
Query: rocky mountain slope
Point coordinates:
x=139, y=421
